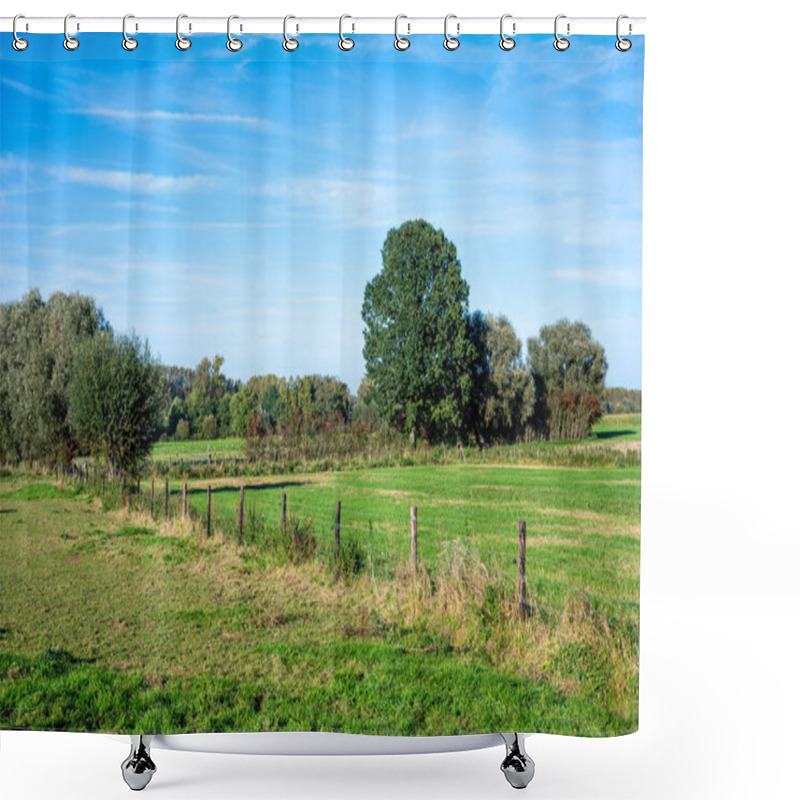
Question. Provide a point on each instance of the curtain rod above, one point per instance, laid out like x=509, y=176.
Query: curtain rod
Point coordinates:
x=298, y=25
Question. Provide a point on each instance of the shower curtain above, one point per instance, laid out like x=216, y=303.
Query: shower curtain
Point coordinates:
x=320, y=385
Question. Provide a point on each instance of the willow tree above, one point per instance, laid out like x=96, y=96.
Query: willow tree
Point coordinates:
x=569, y=369
x=114, y=404
x=38, y=341
x=417, y=346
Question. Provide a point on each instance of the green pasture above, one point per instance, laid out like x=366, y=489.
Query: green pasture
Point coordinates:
x=610, y=429
x=617, y=428
x=582, y=524
x=112, y=621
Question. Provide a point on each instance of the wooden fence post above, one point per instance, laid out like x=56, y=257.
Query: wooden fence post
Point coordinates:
x=283, y=510
x=166, y=499
x=103, y=496
x=152, y=496
x=241, y=514
x=523, y=589
x=185, y=502
x=336, y=541
x=208, y=513
x=414, y=538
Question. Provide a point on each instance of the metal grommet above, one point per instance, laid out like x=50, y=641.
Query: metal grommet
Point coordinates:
x=506, y=42
x=623, y=45
x=128, y=43
x=400, y=42
x=289, y=44
x=451, y=42
x=345, y=42
x=18, y=43
x=233, y=44
x=181, y=42
x=561, y=43
x=70, y=42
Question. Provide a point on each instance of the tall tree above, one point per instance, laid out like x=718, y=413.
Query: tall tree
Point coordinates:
x=38, y=341
x=114, y=404
x=511, y=392
x=569, y=368
x=244, y=405
x=417, y=345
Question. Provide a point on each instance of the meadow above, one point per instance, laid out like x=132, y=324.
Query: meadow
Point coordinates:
x=114, y=620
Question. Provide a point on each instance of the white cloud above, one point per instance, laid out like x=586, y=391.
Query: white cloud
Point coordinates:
x=144, y=205
x=159, y=115
x=25, y=89
x=138, y=182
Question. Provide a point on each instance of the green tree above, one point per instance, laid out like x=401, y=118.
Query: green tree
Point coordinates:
x=478, y=329
x=271, y=406
x=38, y=341
x=417, y=345
x=177, y=412
x=244, y=405
x=114, y=405
x=569, y=370
x=182, y=430
x=365, y=408
x=209, y=427
x=511, y=391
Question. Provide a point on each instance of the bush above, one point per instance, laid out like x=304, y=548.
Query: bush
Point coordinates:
x=352, y=557
x=295, y=541
x=209, y=427
x=255, y=439
x=182, y=430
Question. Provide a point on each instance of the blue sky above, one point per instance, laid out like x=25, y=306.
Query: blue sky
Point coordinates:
x=237, y=203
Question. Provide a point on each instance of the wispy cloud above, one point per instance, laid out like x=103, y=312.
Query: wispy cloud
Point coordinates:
x=159, y=115
x=137, y=182
x=144, y=205
x=26, y=89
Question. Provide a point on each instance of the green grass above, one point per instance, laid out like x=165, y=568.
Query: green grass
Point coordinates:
x=618, y=427
x=609, y=430
x=198, y=449
x=112, y=622
x=582, y=524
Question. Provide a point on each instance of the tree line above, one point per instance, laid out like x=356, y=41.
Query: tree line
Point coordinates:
x=435, y=371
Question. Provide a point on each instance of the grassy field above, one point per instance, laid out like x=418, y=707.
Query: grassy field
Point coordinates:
x=613, y=438
x=112, y=621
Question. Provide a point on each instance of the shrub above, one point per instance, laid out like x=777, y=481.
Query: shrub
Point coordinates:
x=295, y=541
x=254, y=446
x=209, y=427
x=352, y=557
x=182, y=430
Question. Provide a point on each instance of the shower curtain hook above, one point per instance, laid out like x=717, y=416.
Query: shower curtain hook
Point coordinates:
x=561, y=43
x=506, y=42
x=70, y=42
x=181, y=42
x=128, y=43
x=623, y=45
x=289, y=44
x=400, y=42
x=233, y=44
x=450, y=42
x=18, y=43
x=345, y=42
